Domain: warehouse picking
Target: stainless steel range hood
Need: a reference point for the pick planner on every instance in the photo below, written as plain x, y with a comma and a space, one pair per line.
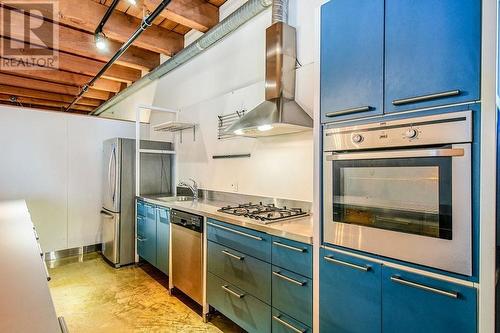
279, 113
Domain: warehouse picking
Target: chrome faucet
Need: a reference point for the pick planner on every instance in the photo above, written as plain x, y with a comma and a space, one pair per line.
193, 188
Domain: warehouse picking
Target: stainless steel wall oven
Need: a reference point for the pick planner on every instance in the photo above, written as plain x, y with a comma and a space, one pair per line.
402, 189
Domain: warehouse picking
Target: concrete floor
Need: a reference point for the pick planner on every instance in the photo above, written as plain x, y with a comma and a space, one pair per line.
93, 298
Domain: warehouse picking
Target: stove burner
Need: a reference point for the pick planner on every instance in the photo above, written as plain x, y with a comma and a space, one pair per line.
264, 213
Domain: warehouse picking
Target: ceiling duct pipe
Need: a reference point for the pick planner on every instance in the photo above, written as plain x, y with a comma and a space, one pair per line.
146, 23
242, 15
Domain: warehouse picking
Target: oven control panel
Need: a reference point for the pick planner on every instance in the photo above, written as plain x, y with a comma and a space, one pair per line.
418, 131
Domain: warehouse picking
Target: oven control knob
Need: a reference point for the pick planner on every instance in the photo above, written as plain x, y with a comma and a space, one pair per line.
411, 133
357, 138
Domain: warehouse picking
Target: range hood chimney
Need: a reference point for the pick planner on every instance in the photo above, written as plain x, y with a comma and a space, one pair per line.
279, 113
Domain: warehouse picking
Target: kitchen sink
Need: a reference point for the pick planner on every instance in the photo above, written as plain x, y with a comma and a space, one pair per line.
176, 198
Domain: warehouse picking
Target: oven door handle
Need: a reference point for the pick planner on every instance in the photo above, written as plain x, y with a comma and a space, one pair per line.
409, 153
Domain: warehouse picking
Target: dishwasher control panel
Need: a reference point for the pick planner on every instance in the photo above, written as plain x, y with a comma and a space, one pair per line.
187, 220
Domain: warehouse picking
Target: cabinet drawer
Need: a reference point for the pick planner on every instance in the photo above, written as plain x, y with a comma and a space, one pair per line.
150, 211
245, 272
291, 255
285, 324
416, 303
253, 315
141, 208
163, 215
245, 240
350, 294
292, 294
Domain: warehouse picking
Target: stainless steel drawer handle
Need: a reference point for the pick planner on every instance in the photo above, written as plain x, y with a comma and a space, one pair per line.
229, 254
234, 293
36, 234
289, 247
425, 98
347, 264
348, 111
40, 249
399, 280
141, 239
407, 153
289, 279
62, 324
287, 324
235, 231
46, 271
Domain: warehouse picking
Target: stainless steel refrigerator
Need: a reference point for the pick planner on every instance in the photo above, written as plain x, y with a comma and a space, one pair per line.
118, 200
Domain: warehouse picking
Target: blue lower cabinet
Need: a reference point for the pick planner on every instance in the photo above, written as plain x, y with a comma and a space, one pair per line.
141, 208
244, 271
245, 240
413, 303
285, 324
250, 313
292, 294
350, 294
146, 235
162, 239
291, 255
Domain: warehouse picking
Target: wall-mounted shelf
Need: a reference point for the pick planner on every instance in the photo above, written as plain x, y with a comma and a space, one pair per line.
157, 151
173, 126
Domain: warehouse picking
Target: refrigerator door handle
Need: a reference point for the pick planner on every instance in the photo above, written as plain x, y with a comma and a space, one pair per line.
113, 184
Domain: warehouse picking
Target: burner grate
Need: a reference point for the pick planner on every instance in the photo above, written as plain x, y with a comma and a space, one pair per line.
264, 213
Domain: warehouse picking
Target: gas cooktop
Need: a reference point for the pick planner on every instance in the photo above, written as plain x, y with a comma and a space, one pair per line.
264, 213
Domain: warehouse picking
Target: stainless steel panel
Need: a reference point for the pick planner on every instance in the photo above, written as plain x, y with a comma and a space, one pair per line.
430, 130
187, 261
111, 236
453, 255
111, 174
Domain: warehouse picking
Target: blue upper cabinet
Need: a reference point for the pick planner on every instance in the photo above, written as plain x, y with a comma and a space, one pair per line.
432, 53
413, 303
352, 59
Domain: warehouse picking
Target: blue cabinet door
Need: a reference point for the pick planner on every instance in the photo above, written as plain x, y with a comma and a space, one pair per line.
352, 59
146, 235
432, 53
350, 294
162, 239
414, 303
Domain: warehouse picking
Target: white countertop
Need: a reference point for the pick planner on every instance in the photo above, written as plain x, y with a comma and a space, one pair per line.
25, 301
299, 229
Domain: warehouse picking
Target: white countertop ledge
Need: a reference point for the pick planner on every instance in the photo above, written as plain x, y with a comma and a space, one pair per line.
298, 229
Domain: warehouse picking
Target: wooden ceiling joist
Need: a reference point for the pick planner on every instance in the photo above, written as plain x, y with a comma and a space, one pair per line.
120, 26
42, 102
62, 77
81, 43
18, 81
79, 65
26, 92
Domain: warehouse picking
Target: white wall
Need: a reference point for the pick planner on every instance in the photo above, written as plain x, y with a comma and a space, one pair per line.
230, 77
53, 160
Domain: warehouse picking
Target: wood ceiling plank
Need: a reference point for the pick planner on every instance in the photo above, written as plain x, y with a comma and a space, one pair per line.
23, 82
86, 15
27, 92
80, 43
43, 102
217, 3
80, 65
57, 76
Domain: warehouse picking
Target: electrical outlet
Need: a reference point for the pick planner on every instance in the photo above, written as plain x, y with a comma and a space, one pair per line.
234, 187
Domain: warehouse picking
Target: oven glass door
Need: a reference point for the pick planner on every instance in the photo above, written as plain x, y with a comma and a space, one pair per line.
409, 204
411, 195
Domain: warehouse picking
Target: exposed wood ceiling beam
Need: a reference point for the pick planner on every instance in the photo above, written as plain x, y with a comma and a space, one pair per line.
27, 92
63, 77
43, 102
195, 14
86, 15
81, 43
80, 65
23, 82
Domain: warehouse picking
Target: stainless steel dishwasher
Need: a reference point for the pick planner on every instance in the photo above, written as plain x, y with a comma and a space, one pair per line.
187, 253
